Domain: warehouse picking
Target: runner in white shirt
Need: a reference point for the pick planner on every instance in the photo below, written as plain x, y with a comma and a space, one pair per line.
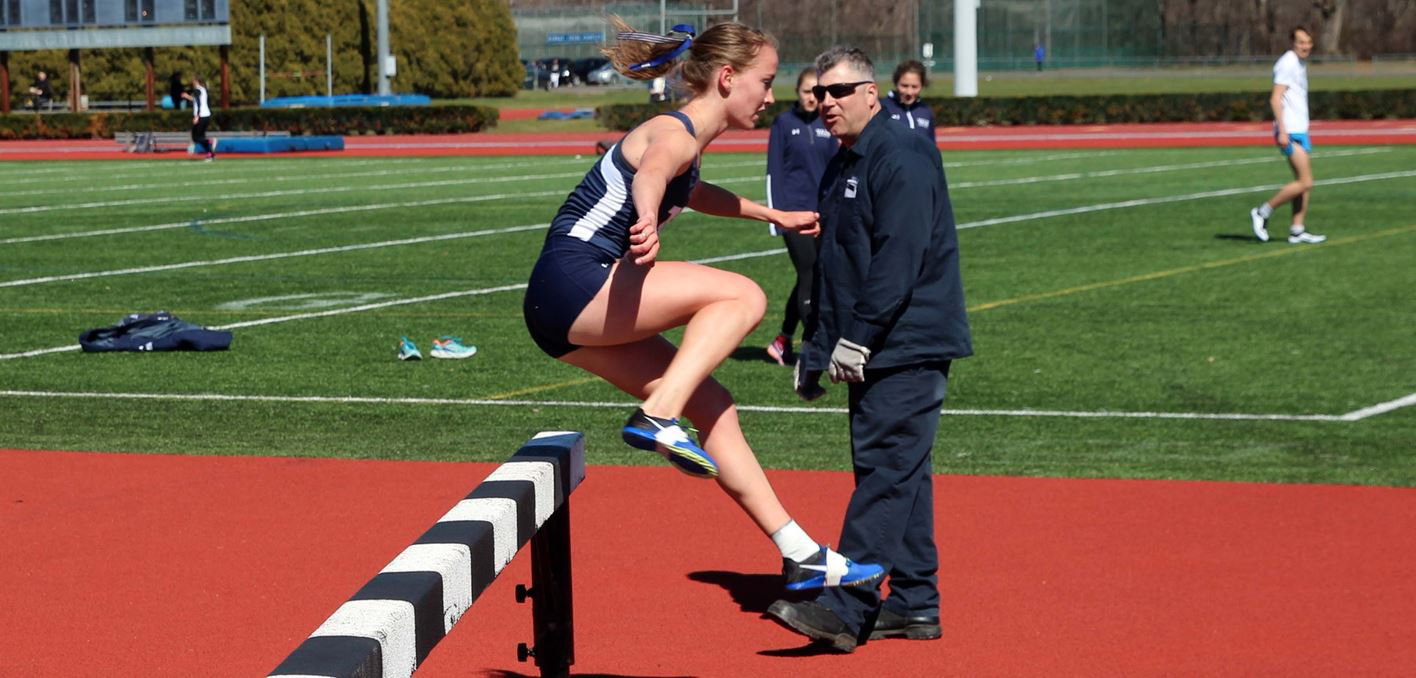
1290, 131
201, 117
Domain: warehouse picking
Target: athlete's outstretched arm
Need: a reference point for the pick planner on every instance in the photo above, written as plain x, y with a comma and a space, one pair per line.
720, 202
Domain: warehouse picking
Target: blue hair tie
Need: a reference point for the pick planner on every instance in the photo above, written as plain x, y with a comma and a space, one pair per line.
661, 39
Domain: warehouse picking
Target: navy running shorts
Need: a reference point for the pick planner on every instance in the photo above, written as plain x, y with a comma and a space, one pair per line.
568, 275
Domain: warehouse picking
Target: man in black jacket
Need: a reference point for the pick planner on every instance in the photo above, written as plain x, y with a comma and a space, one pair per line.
890, 319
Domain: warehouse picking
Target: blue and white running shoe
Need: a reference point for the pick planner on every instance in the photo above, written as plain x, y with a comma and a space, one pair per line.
452, 347
666, 437
828, 568
407, 351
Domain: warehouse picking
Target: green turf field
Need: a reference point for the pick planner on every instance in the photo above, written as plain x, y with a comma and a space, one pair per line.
1126, 325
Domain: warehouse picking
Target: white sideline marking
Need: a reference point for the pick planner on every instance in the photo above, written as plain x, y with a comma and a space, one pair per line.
284, 215
338, 175
268, 257
300, 191
347, 400
1152, 169
1380, 408
381, 304
272, 178
1139, 202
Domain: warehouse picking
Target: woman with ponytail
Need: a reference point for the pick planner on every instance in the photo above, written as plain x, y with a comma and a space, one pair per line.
599, 297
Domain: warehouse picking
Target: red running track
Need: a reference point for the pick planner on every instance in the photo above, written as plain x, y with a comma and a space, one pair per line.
1167, 135
148, 565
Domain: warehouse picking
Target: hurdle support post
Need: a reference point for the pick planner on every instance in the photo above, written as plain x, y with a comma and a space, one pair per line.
390, 625
552, 609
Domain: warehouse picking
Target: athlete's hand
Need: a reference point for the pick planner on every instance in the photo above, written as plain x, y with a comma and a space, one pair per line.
1282, 139
644, 239
805, 223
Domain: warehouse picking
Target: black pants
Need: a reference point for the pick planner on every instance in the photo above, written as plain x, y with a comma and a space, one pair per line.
199, 136
802, 249
890, 518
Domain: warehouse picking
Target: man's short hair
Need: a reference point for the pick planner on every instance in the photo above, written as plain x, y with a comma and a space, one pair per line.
838, 55
1293, 34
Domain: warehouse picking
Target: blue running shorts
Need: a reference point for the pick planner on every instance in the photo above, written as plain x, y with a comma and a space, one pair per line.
567, 276
1301, 138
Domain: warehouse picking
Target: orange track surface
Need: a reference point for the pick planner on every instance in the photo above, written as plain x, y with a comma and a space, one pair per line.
146, 565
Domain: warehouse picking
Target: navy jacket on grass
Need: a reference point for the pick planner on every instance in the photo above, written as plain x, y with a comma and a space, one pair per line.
159, 331
887, 277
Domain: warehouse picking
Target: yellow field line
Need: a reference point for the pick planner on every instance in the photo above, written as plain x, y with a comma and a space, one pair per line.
538, 389
1191, 269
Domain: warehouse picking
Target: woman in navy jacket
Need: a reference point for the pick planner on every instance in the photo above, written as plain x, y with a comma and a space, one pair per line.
797, 153
904, 104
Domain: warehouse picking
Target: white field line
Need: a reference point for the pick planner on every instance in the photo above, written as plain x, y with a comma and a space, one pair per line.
282, 215
156, 169
269, 257
1381, 408
410, 241
218, 397
1140, 202
298, 191
392, 302
464, 169
275, 177
1153, 169
331, 210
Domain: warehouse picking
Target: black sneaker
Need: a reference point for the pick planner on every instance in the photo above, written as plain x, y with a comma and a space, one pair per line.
828, 568
813, 620
666, 437
894, 625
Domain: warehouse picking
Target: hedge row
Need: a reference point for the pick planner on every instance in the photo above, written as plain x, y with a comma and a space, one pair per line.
1102, 109
297, 121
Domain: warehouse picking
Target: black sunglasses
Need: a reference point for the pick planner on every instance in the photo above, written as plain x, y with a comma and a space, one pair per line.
839, 90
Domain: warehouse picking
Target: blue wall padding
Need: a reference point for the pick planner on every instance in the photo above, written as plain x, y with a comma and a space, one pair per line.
348, 100
280, 144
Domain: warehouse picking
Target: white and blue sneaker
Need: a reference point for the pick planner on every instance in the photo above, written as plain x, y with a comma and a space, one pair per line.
452, 347
827, 569
668, 438
407, 351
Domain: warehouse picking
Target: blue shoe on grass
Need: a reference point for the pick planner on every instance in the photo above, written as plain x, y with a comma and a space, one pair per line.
453, 348
826, 569
407, 351
666, 437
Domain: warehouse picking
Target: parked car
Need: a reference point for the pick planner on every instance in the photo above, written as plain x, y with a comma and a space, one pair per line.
580, 69
604, 75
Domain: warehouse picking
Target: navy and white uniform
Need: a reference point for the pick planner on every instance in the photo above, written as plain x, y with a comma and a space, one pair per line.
917, 116
587, 236
797, 152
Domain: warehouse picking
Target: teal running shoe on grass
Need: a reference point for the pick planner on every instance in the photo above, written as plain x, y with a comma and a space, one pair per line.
407, 351
452, 347
666, 437
826, 569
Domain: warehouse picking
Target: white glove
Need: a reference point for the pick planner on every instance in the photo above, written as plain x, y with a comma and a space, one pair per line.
848, 362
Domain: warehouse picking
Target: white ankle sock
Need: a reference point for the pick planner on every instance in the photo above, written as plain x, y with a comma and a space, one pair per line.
1295, 229
793, 542
1265, 211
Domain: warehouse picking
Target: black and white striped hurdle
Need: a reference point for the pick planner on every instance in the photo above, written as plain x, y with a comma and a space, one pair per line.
390, 625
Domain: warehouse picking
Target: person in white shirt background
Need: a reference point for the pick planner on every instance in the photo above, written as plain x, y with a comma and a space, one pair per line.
1290, 131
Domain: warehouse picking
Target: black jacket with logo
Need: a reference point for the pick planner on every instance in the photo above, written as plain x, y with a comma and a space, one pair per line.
887, 277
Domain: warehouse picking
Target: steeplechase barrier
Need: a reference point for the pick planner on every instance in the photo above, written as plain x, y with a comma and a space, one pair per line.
389, 626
